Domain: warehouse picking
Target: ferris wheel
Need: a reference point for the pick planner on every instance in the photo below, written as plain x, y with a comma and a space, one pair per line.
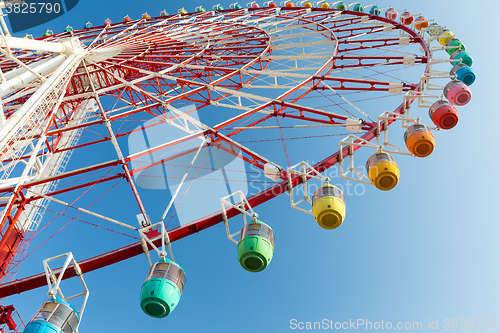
159, 127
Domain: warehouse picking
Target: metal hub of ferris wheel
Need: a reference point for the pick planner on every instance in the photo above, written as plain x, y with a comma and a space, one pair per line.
188, 91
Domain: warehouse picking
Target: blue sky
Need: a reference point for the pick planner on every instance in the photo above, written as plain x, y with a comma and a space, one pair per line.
427, 250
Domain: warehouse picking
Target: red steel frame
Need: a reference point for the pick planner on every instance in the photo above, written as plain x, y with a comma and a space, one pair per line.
145, 52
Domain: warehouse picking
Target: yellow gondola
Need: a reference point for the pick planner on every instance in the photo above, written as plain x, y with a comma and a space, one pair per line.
382, 171
445, 36
328, 206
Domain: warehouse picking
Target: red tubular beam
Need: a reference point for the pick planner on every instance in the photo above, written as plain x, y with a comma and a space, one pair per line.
9, 250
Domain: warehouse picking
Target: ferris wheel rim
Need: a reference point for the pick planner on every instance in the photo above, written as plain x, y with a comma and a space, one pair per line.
255, 200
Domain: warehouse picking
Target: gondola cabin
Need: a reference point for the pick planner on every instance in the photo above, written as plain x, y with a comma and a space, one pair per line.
383, 171
421, 22
462, 57
391, 14
406, 18
443, 115
375, 11
463, 73
454, 45
419, 140
358, 8
162, 290
54, 316
444, 36
328, 206
342, 6
457, 92
434, 29
256, 246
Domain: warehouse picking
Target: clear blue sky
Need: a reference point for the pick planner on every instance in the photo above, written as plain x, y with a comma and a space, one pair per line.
427, 250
